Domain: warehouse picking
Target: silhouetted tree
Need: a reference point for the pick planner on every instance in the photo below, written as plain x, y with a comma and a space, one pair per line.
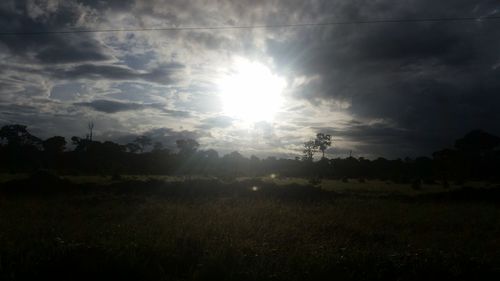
133, 147
234, 163
477, 141
18, 135
21, 152
255, 164
109, 147
322, 142
143, 141
309, 150
475, 156
157, 146
445, 161
211, 154
207, 161
53, 152
80, 144
54, 145
478, 155
187, 146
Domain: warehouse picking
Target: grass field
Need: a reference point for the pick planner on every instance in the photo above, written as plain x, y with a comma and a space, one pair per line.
354, 231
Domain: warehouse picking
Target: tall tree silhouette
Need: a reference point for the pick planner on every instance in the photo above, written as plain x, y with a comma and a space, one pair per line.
309, 150
143, 141
54, 145
477, 141
187, 146
133, 147
322, 142
158, 146
80, 144
18, 135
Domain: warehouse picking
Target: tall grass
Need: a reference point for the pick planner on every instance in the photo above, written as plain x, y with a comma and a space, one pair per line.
110, 235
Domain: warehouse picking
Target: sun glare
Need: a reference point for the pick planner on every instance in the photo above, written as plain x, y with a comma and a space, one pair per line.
251, 92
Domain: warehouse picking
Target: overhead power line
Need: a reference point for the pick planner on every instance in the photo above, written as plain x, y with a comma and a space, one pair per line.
270, 26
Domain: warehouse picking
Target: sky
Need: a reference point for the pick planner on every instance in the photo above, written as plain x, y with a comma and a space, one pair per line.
385, 89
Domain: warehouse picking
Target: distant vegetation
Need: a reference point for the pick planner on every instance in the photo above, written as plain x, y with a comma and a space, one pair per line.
476, 156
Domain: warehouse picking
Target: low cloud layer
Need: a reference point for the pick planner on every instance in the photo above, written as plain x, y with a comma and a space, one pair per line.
108, 106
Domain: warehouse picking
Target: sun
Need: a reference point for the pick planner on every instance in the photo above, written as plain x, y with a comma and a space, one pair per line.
251, 92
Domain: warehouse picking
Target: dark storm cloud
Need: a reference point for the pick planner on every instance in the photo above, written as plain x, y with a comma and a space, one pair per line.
77, 50
16, 109
109, 106
374, 139
28, 16
432, 80
163, 74
115, 5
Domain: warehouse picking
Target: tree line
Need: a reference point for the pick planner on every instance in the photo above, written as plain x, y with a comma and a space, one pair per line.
475, 156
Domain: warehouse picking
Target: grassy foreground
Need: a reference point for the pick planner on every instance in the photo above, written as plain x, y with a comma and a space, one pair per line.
107, 233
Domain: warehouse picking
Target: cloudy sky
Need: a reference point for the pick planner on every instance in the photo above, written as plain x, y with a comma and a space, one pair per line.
386, 89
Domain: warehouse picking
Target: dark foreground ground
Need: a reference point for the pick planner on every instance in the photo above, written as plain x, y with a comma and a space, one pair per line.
209, 230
